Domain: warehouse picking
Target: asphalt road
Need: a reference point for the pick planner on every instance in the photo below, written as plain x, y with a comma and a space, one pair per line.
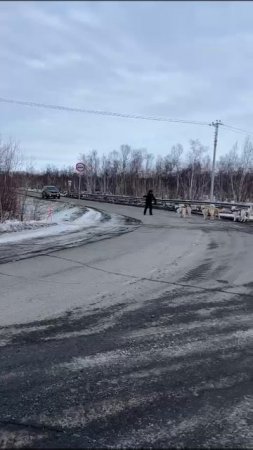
141, 340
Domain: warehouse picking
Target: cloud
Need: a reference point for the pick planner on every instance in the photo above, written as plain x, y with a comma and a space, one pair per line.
43, 18
52, 61
137, 57
36, 63
84, 17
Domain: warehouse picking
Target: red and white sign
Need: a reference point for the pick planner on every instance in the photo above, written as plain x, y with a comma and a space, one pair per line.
80, 167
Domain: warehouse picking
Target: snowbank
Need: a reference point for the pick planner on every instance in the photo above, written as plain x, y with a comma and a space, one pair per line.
10, 226
52, 219
57, 225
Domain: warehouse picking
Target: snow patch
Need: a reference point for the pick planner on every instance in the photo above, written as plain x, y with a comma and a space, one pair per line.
53, 220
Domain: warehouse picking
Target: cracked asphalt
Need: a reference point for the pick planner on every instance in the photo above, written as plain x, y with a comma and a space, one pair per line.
143, 340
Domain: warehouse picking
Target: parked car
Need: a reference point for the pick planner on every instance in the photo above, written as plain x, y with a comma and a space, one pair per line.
50, 192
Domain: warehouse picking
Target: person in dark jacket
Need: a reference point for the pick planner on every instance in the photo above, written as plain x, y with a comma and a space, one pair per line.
149, 199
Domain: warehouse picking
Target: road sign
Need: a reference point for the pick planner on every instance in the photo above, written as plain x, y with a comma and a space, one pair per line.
80, 167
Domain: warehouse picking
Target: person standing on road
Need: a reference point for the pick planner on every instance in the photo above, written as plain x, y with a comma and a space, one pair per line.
149, 199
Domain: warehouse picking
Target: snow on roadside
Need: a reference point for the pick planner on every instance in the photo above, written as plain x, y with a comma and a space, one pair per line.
38, 214
51, 219
10, 226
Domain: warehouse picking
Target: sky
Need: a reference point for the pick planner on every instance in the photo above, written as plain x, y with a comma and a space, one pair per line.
182, 60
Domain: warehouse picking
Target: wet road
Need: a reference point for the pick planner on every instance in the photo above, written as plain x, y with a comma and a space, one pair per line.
143, 340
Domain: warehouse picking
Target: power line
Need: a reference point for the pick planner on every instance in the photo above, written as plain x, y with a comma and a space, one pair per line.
100, 112
238, 130
117, 114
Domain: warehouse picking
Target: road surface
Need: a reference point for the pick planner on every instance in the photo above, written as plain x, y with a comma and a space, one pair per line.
141, 340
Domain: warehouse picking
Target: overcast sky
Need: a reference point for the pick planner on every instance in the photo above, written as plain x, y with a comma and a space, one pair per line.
183, 60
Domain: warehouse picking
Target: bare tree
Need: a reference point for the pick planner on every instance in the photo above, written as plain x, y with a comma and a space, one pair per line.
195, 159
125, 153
26, 185
114, 168
229, 163
136, 168
133, 171
173, 165
246, 163
105, 173
10, 159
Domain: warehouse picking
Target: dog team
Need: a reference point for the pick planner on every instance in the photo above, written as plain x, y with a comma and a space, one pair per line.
240, 215
184, 210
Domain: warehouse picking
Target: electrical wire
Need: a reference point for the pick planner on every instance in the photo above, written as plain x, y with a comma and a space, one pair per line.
101, 112
117, 114
238, 130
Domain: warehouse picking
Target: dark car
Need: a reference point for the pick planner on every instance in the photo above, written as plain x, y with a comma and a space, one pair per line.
50, 192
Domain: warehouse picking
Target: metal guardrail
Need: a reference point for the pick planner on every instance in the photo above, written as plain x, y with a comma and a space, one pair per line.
162, 203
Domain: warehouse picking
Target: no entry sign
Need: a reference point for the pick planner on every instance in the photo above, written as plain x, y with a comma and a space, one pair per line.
80, 167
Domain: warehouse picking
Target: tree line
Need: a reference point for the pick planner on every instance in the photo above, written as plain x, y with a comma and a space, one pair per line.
181, 174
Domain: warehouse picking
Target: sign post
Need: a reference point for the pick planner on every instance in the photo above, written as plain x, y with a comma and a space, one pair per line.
79, 186
69, 184
80, 168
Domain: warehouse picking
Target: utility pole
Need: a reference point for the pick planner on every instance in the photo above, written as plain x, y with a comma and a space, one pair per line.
216, 126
